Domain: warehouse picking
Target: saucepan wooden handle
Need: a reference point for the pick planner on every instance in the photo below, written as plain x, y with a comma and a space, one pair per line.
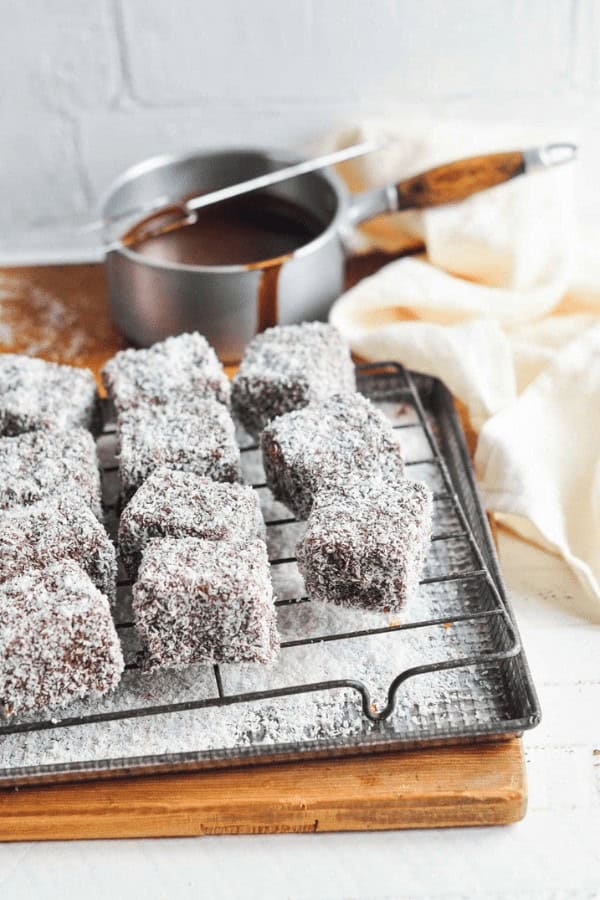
459, 179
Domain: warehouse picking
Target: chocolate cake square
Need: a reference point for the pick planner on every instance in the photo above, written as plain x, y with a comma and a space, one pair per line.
365, 543
324, 444
178, 369
205, 601
33, 537
40, 464
57, 640
180, 504
38, 394
196, 436
288, 367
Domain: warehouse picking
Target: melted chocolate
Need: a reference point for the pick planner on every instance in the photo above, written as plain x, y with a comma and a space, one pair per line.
256, 230
246, 230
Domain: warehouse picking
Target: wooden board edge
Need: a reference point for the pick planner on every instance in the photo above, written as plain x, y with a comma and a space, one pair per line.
460, 786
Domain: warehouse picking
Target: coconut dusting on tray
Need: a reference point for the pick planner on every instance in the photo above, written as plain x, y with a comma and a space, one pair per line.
440, 700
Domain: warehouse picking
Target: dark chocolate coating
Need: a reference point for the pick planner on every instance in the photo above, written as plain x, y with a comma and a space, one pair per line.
179, 369
46, 463
288, 367
324, 444
181, 504
365, 543
57, 639
205, 601
38, 394
196, 436
33, 537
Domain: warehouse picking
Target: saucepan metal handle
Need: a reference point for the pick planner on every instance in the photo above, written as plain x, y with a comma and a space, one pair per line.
456, 180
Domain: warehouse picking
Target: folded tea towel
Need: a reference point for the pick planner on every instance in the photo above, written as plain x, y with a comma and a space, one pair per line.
497, 309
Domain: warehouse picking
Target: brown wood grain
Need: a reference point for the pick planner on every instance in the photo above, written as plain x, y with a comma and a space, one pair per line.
476, 785
458, 180
61, 313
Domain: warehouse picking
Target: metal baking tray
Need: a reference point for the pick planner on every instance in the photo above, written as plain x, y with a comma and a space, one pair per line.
449, 669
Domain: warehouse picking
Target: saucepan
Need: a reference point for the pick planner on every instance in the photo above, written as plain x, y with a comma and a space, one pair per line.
152, 299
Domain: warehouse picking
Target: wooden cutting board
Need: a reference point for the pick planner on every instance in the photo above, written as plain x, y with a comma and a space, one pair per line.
60, 313
471, 785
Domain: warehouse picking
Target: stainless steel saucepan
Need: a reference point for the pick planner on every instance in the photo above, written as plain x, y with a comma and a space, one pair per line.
151, 299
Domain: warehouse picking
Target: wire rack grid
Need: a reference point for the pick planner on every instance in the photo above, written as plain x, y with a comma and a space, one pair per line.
381, 382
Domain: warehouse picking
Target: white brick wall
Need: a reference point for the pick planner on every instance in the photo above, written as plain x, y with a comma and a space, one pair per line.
89, 86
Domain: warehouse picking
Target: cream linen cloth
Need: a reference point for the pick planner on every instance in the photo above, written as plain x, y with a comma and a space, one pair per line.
496, 308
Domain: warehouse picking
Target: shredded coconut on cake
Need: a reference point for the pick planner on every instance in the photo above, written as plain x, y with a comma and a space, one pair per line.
324, 444
38, 394
57, 639
194, 436
287, 367
205, 601
178, 369
41, 464
365, 543
32, 537
180, 504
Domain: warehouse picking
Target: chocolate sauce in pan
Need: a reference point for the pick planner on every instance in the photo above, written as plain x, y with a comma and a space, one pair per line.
247, 229
268, 291
256, 230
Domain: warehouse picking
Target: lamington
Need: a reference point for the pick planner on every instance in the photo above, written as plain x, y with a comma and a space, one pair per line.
40, 464
288, 367
193, 436
38, 394
178, 369
33, 537
365, 544
198, 601
324, 444
58, 642
178, 504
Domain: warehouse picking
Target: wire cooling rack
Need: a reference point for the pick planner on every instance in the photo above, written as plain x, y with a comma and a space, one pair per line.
472, 677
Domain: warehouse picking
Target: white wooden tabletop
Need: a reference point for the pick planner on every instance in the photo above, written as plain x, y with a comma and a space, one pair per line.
554, 853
